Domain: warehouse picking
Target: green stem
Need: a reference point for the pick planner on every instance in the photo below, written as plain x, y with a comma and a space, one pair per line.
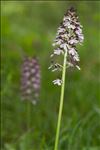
28, 123
28, 115
61, 102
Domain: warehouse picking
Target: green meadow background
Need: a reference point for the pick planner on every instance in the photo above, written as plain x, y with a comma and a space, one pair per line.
30, 27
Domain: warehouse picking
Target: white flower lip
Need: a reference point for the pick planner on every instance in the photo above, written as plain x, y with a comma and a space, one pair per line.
57, 81
58, 51
73, 41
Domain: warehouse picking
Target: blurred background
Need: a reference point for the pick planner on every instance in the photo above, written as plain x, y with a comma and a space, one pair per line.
31, 27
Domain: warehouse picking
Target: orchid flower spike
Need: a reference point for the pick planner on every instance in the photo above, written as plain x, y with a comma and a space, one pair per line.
30, 79
69, 34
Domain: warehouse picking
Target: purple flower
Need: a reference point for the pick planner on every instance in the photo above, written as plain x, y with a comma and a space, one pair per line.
30, 79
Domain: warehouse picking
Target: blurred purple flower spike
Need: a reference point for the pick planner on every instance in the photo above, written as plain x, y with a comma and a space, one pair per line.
30, 79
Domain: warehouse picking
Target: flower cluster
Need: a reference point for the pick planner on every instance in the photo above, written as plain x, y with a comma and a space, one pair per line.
69, 34
30, 79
